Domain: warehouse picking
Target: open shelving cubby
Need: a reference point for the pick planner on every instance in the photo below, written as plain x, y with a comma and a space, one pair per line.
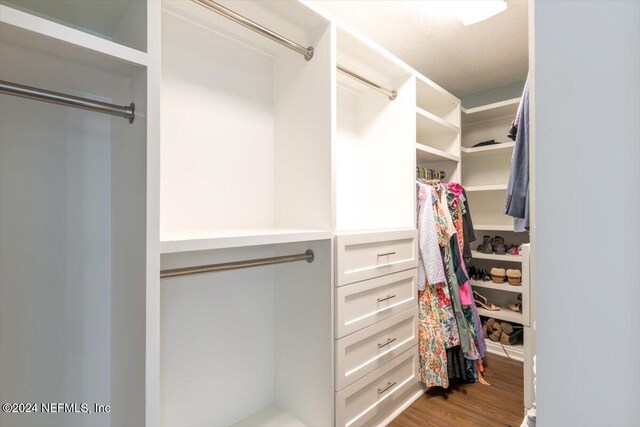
264, 166
374, 140
245, 174
73, 187
437, 129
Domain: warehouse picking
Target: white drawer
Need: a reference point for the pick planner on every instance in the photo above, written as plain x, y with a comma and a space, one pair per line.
365, 256
364, 303
373, 394
366, 350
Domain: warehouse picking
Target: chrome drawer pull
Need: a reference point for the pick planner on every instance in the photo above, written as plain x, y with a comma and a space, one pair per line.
386, 298
389, 341
389, 385
387, 253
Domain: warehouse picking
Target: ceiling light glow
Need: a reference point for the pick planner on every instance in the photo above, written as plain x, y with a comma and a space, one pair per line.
468, 11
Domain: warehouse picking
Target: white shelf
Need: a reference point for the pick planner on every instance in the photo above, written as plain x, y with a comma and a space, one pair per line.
70, 36
488, 150
496, 257
493, 227
506, 287
498, 187
515, 352
271, 416
186, 241
503, 314
489, 112
430, 124
424, 153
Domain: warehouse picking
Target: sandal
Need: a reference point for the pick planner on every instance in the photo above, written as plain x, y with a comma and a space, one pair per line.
516, 306
484, 303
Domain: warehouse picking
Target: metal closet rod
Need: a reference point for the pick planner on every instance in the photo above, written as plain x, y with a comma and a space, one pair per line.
212, 268
392, 94
128, 112
307, 52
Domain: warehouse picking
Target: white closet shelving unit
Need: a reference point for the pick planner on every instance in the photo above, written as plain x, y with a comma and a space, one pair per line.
264, 154
437, 129
74, 217
485, 175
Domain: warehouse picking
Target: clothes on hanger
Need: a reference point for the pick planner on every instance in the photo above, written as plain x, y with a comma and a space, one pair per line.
451, 342
517, 199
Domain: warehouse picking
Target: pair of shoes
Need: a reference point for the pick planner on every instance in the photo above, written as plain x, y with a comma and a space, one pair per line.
482, 301
513, 250
498, 331
490, 246
478, 274
516, 306
514, 276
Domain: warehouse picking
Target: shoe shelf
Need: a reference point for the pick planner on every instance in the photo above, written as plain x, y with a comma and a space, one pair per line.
496, 257
494, 227
487, 150
503, 314
515, 352
496, 187
499, 287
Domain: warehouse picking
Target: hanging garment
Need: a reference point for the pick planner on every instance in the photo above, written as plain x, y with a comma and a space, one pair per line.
432, 352
430, 268
517, 199
468, 232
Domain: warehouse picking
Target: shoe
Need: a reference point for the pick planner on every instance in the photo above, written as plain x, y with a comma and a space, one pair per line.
505, 338
517, 337
516, 306
486, 246
486, 277
498, 246
507, 328
498, 275
513, 250
484, 303
514, 276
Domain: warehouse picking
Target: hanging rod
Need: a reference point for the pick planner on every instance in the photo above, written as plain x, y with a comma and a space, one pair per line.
307, 52
128, 112
211, 268
392, 94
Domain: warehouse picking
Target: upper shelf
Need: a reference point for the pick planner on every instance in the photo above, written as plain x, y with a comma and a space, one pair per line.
433, 98
41, 53
121, 21
488, 150
497, 187
186, 241
430, 124
424, 153
489, 112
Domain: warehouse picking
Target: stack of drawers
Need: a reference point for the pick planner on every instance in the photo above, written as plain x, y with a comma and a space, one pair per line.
376, 323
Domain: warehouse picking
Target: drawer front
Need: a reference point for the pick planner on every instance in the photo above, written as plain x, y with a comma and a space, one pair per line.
365, 256
373, 394
366, 350
364, 303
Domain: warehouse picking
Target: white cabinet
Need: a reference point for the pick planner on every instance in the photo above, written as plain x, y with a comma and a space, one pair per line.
363, 256
376, 393
365, 303
364, 351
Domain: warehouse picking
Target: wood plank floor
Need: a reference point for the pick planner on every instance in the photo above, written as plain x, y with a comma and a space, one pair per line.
472, 405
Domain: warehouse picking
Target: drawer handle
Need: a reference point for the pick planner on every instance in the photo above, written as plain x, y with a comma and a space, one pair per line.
389, 341
387, 254
389, 385
388, 297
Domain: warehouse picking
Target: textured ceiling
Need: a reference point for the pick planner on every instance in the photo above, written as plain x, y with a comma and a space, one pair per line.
463, 60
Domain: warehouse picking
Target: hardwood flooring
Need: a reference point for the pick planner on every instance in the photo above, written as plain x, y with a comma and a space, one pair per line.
472, 405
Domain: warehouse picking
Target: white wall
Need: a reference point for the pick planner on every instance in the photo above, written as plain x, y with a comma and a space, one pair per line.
587, 150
